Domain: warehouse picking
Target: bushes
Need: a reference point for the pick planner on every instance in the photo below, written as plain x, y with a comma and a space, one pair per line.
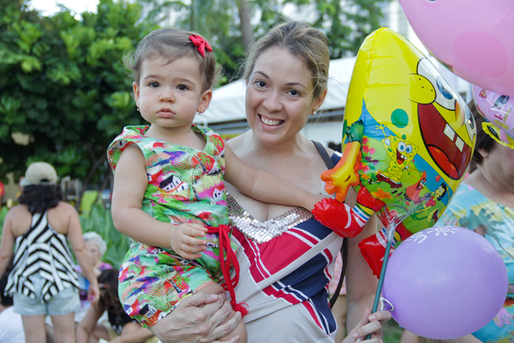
100, 221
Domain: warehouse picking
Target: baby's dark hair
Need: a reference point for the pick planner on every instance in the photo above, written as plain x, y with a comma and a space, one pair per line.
172, 44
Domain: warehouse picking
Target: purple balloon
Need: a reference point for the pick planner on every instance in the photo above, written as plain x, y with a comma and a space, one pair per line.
445, 282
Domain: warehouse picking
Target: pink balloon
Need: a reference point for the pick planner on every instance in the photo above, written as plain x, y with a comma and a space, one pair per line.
474, 38
445, 282
497, 110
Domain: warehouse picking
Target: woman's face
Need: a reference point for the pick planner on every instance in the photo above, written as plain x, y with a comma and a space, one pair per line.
278, 96
94, 252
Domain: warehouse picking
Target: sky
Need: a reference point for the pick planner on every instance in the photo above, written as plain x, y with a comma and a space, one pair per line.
49, 7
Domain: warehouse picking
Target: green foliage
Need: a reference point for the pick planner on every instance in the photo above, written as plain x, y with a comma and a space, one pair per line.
64, 85
100, 221
345, 22
392, 332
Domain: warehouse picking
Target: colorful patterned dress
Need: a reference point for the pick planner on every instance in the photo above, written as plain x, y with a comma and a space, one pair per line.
470, 209
184, 185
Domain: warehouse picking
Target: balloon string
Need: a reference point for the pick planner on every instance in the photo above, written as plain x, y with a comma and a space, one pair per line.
390, 235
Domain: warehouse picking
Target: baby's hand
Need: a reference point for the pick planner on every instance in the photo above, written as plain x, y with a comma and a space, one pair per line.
184, 242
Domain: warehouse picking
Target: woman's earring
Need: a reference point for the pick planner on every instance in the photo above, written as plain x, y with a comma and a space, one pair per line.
138, 109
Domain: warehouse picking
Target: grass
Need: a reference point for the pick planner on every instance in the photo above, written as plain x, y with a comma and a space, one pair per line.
392, 332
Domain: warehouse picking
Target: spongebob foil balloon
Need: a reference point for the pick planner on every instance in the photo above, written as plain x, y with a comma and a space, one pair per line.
408, 138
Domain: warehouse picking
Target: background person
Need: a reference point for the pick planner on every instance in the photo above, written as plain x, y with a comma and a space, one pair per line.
484, 203
122, 327
286, 257
96, 248
38, 228
11, 326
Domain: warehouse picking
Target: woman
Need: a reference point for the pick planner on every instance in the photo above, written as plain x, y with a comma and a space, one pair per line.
96, 248
127, 330
286, 257
43, 281
484, 203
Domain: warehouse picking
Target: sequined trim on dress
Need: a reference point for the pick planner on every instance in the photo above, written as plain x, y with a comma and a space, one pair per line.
262, 232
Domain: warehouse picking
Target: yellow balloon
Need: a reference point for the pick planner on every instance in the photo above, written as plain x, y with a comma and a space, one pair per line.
414, 132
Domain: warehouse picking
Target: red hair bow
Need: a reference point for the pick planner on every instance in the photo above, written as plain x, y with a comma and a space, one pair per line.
201, 44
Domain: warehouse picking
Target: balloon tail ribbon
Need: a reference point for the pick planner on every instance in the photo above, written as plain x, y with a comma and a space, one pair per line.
390, 235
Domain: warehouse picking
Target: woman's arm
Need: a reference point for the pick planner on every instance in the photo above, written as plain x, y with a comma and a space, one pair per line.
88, 323
7, 244
465, 339
79, 248
361, 284
264, 186
133, 333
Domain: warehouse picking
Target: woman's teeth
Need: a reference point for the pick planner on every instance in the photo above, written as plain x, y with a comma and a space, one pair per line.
271, 122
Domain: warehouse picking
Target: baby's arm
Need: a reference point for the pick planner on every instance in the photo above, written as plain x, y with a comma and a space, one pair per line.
130, 183
264, 186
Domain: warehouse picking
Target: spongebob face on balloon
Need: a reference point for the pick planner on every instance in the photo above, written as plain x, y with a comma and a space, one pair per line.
417, 132
452, 150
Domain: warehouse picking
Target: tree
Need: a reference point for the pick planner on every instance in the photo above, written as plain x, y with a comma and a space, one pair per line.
64, 86
226, 23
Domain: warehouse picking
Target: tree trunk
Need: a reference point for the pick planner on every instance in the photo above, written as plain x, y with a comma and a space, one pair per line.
245, 25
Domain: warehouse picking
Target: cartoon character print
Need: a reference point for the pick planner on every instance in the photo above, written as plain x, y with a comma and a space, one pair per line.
412, 193
173, 183
401, 153
451, 151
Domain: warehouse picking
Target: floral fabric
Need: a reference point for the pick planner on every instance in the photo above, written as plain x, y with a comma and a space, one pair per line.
184, 185
470, 209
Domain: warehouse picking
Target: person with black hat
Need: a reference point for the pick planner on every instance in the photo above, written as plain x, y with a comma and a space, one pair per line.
43, 281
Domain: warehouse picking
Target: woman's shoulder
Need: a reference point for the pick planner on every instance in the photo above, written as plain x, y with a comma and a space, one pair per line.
17, 211
65, 208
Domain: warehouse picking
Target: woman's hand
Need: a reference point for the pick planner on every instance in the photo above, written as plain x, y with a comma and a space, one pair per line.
369, 324
93, 293
184, 242
201, 317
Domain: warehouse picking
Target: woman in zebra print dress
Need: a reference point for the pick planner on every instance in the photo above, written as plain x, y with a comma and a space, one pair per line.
43, 281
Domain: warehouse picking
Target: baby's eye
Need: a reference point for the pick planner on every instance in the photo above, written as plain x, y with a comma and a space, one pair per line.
154, 84
182, 87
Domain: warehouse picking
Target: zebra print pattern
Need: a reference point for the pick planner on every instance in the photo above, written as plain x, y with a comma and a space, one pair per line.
41, 250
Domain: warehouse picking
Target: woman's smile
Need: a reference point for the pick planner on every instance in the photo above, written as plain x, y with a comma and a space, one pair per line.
270, 122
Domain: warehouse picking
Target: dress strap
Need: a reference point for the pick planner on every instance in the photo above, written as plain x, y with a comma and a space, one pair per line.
323, 152
344, 248
34, 226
